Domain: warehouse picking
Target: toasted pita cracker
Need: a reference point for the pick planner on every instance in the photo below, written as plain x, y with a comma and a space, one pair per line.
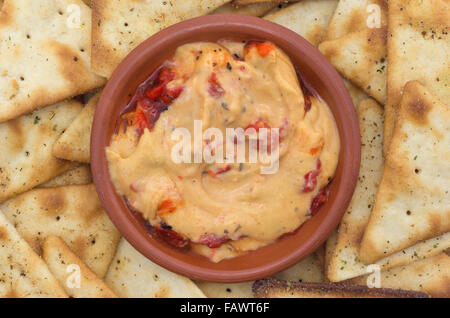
119, 26
309, 18
63, 264
26, 142
132, 275
356, 93
361, 57
256, 9
413, 201
218, 290
75, 142
79, 175
330, 247
43, 59
430, 275
309, 270
271, 288
73, 213
418, 46
354, 15
22, 272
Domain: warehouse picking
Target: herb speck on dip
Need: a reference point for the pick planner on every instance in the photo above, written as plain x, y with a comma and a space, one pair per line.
222, 209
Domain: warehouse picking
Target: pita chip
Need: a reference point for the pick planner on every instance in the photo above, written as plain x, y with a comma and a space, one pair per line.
73, 213
309, 270
132, 275
356, 93
248, 2
357, 15
63, 263
361, 57
119, 26
413, 201
22, 272
272, 288
79, 175
218, 290
309, 18
430, 275
75, 142
418, 49
26, 143
256, 9
43, 58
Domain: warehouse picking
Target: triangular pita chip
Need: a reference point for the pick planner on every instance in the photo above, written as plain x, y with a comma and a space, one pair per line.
430, 275
256, 9
418, 49
26, 143
119, 26
413, 201
309, 18
132, 275
353, 15
73, 213
273, 288
65, 265
75, 142
44, 57
361, 57
79, 175
22, 272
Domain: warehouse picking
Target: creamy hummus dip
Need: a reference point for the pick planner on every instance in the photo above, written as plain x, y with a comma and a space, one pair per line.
222, 210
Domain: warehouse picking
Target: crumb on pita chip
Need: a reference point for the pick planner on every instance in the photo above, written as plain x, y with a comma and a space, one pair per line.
272, 288
132, 275
119, 26
308, 18
73, 213
23, 273
61, 260
413, 202
75, 142
43, 60
256, 9
354, 15
361, 57
26, 142
218, 290
430, 275
418, 46
78, 175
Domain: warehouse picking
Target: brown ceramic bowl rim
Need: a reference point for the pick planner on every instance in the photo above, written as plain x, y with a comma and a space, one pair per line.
256, 264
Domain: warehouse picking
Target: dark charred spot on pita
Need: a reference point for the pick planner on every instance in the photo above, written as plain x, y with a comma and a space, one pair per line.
417, 109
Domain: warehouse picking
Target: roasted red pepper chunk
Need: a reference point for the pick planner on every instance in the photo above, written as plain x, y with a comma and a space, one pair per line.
166, 207
257, 125
319, 200
215, 89
263, 48
170, 236
214, 173
212, 240
311, 178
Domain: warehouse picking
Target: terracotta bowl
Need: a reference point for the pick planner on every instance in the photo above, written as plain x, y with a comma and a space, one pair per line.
315, 69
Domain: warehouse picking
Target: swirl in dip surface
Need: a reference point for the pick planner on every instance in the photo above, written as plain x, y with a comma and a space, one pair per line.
222, 209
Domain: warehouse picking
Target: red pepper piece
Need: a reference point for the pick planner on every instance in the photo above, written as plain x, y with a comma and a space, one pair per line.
166, 207
170, 236
215, 90
264, 48
319, 200
212, 240
214, 174
311, 178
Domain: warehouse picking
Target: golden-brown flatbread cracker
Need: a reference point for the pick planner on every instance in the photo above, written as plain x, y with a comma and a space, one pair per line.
132, 275
309, 18
73, 213
272, 288
45, 54
418, 46
353, 15
75, 142
361, 57
119, 26
413, 201
430, 275
65, 265
26, 143
256, 9
78, 175
22, 272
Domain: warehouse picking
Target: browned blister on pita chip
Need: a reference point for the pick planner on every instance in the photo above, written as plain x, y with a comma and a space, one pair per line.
309, 18
26, 143
272, 288
75, 142
45, 54
413, 201
74, 276
418, 46
255, 9
357, 15
361, 58
78, 175
119, 26
73, 213
22, 272
248, 2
